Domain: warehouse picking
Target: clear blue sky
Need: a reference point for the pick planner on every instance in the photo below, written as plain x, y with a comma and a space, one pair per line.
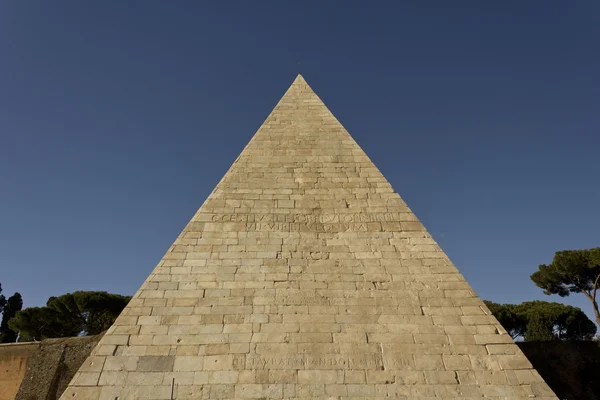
117, 119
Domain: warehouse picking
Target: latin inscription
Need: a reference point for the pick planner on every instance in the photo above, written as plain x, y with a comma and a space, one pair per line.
314, 362
312, 223
299, 300
306, 227
310, 218
291, 301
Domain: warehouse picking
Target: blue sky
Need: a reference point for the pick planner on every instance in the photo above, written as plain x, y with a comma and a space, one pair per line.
117, 119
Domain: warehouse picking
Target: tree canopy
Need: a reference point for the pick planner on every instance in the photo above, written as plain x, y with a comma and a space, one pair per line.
542, 321
71, 314
2, 299
13, 305
8, 309
572, 271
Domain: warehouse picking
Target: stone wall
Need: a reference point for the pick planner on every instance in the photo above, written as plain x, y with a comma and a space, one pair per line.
41, 370
13, 364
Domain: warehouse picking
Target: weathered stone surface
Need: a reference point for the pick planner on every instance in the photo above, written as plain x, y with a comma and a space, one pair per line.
305, 275
13, 365
50, 366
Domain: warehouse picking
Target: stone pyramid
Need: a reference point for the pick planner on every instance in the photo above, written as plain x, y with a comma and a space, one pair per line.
305, 275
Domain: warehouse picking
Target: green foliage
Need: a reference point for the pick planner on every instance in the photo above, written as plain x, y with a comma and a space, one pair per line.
546, 319
71, 314
11, 307
542, 320
37, 323
539, 329
8, 309
572, 271
2, 299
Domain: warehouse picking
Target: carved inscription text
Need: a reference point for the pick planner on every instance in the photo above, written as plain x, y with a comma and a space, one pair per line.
313, 223
311, 218
326, 361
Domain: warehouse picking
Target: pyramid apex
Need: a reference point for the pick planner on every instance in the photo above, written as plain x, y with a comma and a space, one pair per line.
299, 79
300, 84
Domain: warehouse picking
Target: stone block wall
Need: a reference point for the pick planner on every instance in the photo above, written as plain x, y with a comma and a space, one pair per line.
570, 369
13, 364
41, 370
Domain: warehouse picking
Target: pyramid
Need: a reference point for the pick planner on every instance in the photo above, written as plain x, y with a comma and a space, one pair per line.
305, 275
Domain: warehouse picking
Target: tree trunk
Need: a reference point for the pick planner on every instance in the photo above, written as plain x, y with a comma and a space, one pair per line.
592, 299
596, 312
